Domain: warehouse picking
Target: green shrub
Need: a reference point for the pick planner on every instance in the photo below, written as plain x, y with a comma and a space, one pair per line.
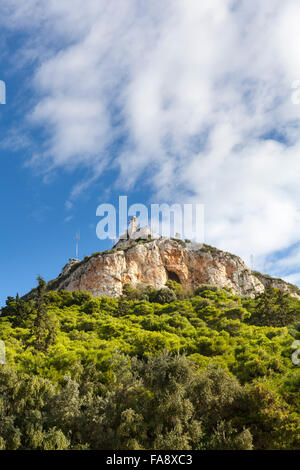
165, 296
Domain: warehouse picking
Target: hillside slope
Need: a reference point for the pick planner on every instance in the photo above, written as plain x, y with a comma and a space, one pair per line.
209, 371
156, 261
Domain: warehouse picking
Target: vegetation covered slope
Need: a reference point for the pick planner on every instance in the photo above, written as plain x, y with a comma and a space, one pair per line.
152, 370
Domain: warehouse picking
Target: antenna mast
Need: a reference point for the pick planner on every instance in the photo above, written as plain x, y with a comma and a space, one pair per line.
77, 238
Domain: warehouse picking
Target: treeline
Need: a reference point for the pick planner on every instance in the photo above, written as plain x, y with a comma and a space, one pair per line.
155, 369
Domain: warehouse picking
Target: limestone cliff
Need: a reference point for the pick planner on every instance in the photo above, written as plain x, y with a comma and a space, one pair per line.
154, 262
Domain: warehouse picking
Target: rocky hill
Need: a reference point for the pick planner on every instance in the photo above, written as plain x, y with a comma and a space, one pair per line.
155, 261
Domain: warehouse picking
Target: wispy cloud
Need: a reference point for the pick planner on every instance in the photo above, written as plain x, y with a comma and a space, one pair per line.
197, 93
68, 218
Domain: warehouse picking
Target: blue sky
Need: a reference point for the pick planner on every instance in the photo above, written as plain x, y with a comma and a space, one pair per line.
184, 101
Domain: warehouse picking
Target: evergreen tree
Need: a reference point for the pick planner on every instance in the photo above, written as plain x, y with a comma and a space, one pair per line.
286, 313
263, 314
274, 308
45, 324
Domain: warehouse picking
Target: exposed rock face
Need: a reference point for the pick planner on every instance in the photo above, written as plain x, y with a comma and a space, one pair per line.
277, 283
154, 262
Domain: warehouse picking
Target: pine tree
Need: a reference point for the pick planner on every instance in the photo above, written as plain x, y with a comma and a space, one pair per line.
285, 313
45, 324
274, 308
264, 308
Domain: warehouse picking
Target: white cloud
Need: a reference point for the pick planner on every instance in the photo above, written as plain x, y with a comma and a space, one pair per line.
292, 278
191, 87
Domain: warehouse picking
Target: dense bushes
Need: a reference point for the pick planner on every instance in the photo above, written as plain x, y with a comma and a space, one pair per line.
164, 402
151, 370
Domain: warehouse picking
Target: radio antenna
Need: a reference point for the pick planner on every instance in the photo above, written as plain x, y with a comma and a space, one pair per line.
252, 262
77, 238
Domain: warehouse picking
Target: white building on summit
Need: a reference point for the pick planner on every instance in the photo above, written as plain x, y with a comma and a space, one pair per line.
133, 227
134, 233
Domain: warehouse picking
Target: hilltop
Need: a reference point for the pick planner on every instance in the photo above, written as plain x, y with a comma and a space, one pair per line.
154, 262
